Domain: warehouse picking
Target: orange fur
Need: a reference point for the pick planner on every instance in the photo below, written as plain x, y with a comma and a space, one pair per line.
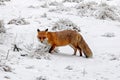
66, 37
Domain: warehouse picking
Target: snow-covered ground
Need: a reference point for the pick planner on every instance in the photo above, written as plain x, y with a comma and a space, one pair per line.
103, 37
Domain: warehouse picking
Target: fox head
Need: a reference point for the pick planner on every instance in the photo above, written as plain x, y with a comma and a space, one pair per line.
42, 35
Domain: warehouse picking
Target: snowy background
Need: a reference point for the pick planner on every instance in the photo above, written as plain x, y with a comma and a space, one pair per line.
97, 20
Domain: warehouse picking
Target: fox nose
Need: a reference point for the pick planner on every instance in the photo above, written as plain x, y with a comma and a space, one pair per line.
41, 41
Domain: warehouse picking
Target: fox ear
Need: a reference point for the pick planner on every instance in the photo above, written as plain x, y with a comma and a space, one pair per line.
46, 30
38, 30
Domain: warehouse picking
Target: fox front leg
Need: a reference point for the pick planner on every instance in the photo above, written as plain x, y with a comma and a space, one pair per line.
52, 48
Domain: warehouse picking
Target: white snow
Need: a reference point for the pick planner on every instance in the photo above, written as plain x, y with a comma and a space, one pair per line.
105, 64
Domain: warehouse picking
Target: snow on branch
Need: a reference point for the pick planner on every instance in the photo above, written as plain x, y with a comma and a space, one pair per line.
2, 2
72, 1
109, 34
3, 58
2, 31
18, 21
2, 28
64, 24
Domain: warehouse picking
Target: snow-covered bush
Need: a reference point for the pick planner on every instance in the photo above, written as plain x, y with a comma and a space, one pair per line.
2, 32
55, 3
6, 38
59, 9
40, 51
69, 67
45, 5
18, 21
62, 8
114, 57
86, 5
99, 11
5, 68
2, 2
64, 24
72, 1
108, 34
86, 8
3, 59
44, 15
41, 78
33, 6
105, 11
2, 28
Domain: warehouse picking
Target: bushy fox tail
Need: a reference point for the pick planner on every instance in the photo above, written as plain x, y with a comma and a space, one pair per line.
85, 48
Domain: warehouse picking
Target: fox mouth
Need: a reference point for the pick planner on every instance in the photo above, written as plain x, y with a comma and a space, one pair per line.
45, 41
41, 41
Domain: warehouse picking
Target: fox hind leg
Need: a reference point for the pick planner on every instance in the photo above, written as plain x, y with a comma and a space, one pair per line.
75, 49
80, 50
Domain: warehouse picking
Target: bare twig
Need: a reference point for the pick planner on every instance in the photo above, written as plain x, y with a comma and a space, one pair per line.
7, 54
84, 72
16, 48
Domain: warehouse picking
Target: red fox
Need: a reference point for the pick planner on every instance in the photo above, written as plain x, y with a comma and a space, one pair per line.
65, 37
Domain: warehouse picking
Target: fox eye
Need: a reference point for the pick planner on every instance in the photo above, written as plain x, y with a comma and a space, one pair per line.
44, 37
39, 37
